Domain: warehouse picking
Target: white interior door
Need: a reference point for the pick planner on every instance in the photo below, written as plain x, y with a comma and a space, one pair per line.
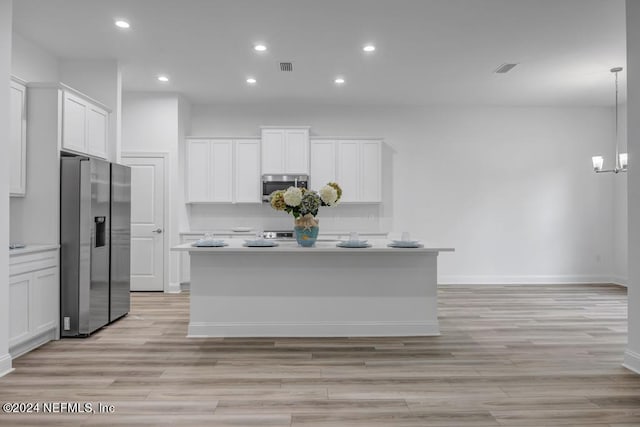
147, 222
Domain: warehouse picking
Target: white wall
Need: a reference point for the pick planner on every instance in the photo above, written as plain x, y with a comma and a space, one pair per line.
153, 123
512, 189
5, 72
32, 63
632, 354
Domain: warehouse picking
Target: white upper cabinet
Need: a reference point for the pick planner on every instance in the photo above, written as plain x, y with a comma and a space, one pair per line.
197, 168
97, 138
273, 146
354, 164
18, 140
223, 171
370, 171
296, 151
348, 171
285, 150
209, 171
74, 123
247, 171
84, 126
322, 159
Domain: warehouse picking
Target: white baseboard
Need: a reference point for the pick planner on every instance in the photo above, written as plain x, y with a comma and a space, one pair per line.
5, 364
34, 342
632, 361
528, 280
619, 280
312, 329
174, 288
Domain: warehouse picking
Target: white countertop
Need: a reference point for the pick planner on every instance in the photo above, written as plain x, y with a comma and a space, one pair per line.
378, 246
28, 249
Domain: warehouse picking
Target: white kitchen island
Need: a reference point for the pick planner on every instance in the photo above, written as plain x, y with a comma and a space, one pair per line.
323, 291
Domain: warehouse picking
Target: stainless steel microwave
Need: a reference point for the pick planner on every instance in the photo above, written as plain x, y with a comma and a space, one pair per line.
271, 183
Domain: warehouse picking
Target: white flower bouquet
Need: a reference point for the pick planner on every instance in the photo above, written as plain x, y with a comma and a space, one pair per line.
303, 204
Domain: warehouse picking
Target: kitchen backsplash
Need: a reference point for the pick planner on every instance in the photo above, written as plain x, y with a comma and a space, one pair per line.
202, 217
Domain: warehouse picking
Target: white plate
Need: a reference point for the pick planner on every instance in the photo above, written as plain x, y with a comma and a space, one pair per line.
209, 244
259, 243
405, 242
353, 244
405, 245
241, 229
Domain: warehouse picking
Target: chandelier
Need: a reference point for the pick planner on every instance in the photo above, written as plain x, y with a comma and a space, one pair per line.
621, 159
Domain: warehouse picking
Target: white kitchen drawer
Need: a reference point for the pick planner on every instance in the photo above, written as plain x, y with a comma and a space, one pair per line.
30, 262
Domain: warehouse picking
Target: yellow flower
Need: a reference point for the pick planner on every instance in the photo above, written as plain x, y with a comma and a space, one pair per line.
277, 200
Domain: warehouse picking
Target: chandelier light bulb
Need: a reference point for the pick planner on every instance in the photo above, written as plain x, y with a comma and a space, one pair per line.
624, 160
598, 162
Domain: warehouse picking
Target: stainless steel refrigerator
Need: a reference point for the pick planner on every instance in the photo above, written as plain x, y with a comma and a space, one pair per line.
94, 244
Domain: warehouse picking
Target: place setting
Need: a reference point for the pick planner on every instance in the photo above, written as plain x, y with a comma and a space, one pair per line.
209, 241
353, 242
405, 242
260, 242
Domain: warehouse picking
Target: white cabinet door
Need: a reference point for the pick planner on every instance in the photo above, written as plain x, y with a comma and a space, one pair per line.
359, 170
18, 140
198, 175
19, 308
44, 295
74, 120
247, 171
209, 170
97, 128
322, 161
85, 126
296, 151
273, 146
34, 300
221, 171
348, 173
370, 173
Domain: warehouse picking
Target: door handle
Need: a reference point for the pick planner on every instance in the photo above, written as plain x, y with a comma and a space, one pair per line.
157, 230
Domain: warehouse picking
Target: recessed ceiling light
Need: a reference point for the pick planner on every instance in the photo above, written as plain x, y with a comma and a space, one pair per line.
251, 81
339, 81
369, 48
163, 79
260, 47
122, 24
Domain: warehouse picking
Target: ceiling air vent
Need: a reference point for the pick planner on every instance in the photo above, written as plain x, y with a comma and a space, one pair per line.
504, 68
286, 66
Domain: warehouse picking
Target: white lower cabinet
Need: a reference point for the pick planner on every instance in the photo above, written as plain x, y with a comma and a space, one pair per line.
33, 300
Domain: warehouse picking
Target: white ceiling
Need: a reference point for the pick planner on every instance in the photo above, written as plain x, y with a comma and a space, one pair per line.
428, 51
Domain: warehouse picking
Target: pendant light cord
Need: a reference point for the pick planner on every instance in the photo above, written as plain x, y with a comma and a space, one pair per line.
617, 148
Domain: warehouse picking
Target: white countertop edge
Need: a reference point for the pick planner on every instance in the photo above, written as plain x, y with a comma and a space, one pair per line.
29, 249
379, 246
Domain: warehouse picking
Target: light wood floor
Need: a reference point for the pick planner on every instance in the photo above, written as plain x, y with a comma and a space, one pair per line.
508, 356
